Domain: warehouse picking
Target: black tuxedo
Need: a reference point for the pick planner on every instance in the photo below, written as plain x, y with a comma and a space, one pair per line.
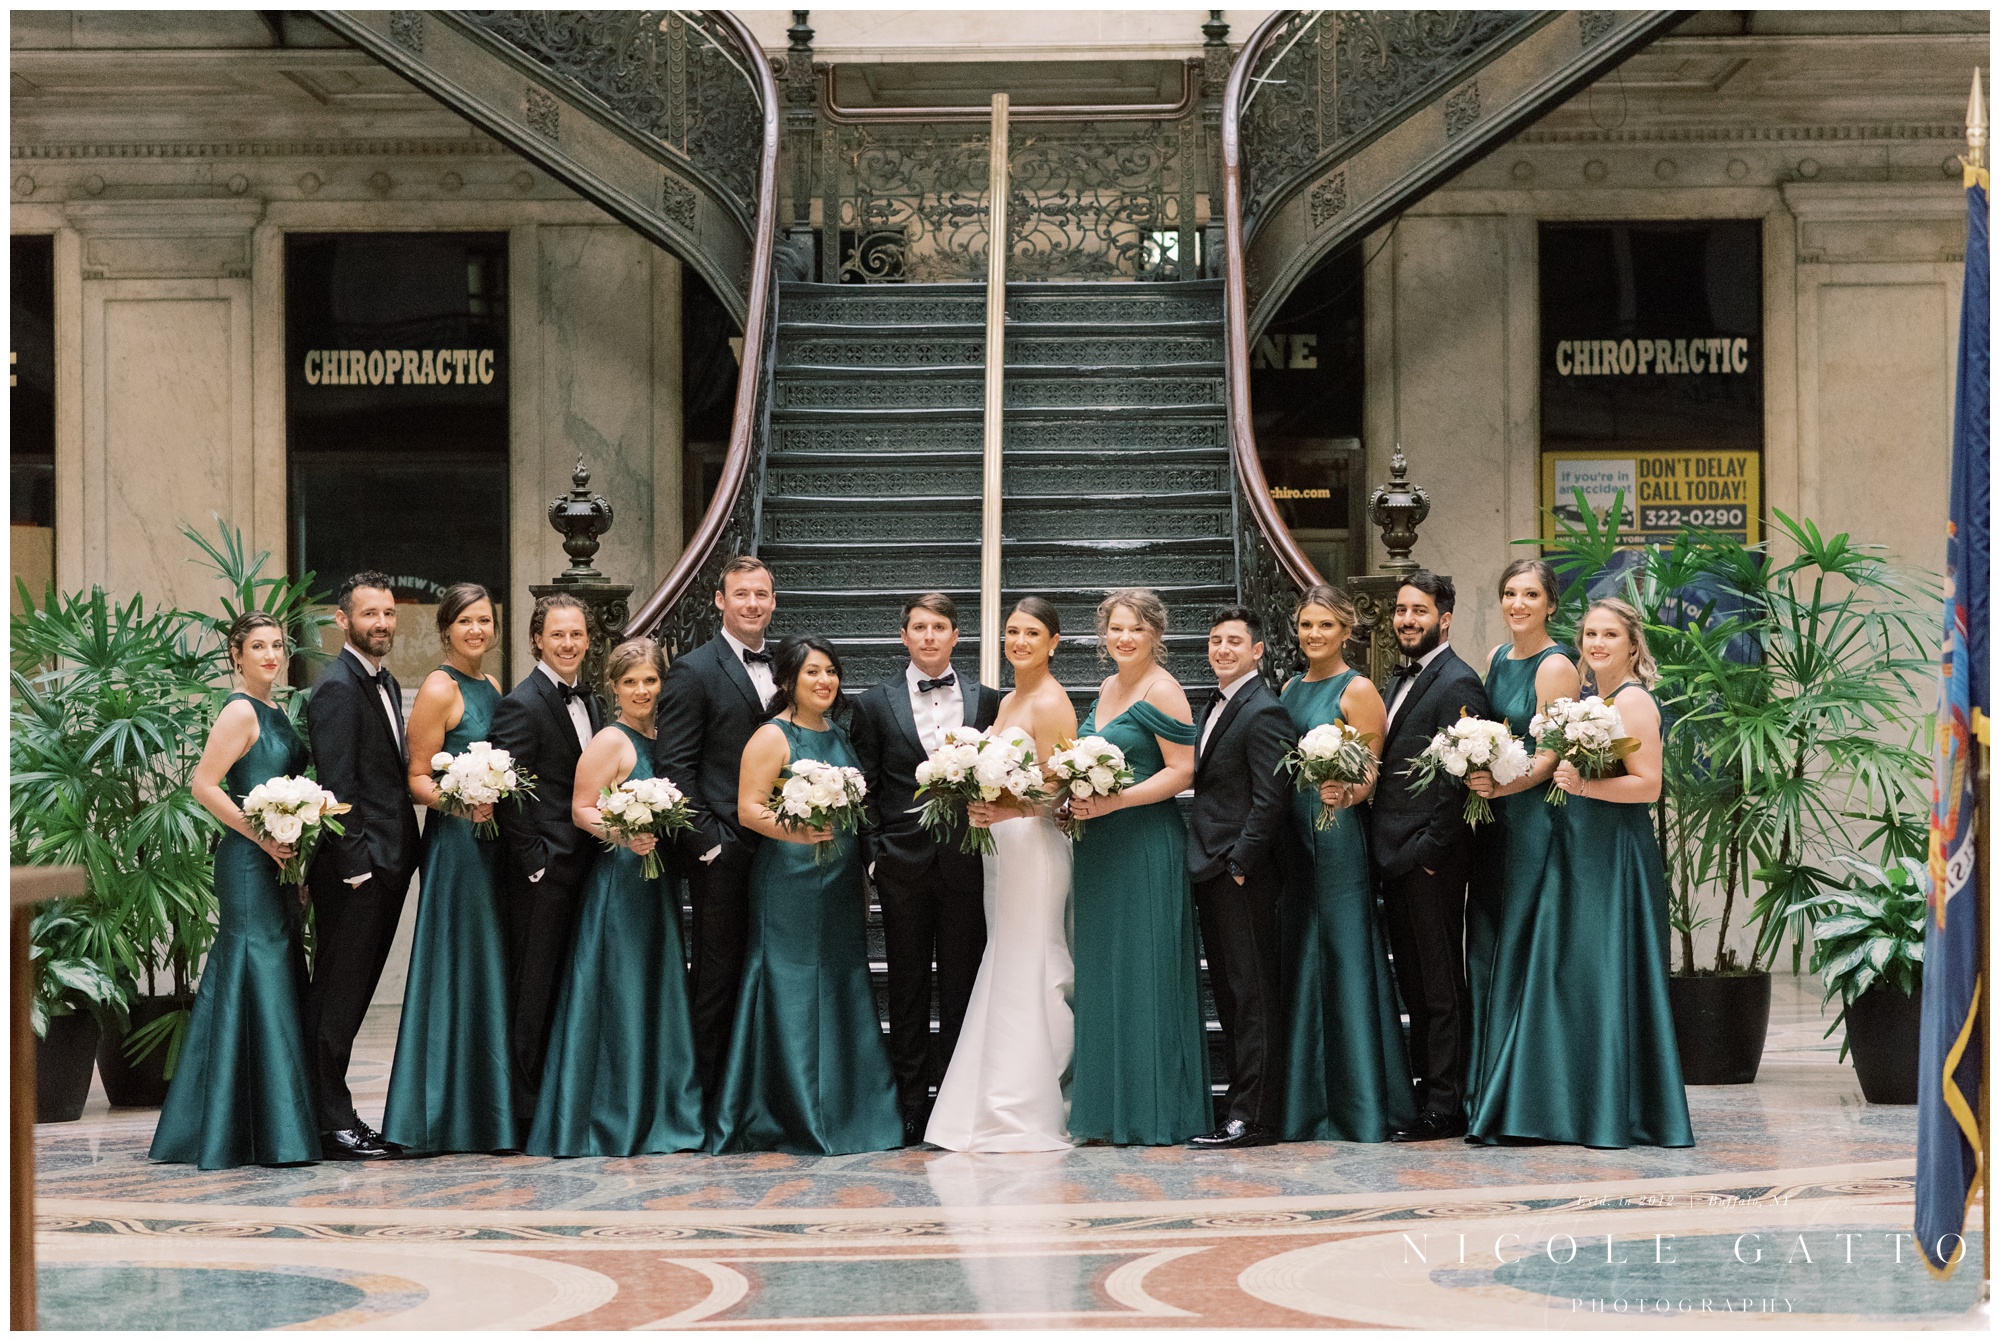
932, 894
708, 711
1422, 850
1240, 825
534, 725
361, 760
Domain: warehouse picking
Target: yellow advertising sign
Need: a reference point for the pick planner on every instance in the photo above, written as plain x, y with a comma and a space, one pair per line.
1663, 492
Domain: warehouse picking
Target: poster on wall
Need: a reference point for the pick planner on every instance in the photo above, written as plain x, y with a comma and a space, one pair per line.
1660, 493
1652, 376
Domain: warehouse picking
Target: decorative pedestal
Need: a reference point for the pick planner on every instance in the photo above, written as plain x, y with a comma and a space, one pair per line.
1398, 507
581, 517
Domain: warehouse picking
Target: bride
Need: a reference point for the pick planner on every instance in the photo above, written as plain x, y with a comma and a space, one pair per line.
1007, 1088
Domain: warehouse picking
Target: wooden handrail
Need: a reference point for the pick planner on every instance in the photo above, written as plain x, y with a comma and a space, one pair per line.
1236, 324
756, 312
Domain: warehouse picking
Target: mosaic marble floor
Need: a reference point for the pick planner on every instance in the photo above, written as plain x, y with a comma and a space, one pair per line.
1791, 1212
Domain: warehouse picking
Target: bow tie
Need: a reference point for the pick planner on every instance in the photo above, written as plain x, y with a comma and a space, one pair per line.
571, 692
945, 681
751, 658
1407, 672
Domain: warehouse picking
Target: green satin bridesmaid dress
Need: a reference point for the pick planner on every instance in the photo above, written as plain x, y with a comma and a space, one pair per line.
620, 1076
1346, 1075
449, 1087
808, 1071
1513, 856
243, 1093
1588, 1055
1141, 1068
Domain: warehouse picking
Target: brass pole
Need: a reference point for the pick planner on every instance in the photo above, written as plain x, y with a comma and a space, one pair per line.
996, 367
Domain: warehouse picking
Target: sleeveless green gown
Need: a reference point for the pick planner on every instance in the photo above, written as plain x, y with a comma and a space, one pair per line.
808, 1070
1141, 1068
1513, 857
243, 1093
1588, 1056
1346, 1074
449, 1087
620, 1076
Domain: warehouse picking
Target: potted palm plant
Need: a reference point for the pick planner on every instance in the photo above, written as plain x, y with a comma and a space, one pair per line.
69, 944
1868, 948
1790, 692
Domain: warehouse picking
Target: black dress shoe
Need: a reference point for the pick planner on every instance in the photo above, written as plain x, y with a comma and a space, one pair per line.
914, 1125
1430, 1127
356, 1142
1235, 1134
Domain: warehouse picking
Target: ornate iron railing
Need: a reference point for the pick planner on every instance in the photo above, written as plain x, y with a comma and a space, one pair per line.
1097, 193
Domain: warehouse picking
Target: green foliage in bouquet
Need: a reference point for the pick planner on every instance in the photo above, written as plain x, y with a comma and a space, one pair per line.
112, 702
1792, 692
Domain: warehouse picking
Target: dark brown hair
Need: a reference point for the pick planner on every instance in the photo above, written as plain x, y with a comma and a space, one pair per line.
1544, 574
789, 661
343, 595
936, 602
560, 600
1034, 607
246, 624
458, 598
743, 563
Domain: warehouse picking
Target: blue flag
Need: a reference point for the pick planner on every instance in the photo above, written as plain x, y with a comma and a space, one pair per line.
1952, 1055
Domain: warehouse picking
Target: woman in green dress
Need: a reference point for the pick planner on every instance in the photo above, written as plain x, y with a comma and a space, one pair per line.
1590, 1057
1141, 1062
448, 1089
1346, 1074
1514, 851
620, 1075
243, 1093
808, 1070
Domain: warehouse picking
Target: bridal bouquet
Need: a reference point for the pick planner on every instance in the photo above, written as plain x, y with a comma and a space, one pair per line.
971, 766
1090, 767
481, 776
1588, 734
817, 795
644, 806
295, 811
1335, 752
1472, 745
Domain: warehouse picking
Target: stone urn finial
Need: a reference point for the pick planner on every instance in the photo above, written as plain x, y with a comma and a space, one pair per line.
1399, 507
580, 517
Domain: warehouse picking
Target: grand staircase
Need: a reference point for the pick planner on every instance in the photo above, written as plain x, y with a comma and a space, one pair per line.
1117, 461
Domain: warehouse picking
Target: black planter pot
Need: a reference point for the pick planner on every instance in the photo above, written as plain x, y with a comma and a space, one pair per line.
1719, 1025
1882, 1027
142, 1084
63, 1062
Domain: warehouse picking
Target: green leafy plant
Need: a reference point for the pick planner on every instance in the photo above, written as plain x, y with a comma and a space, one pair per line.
111, 707
1868, 932
68, 948
1790, 693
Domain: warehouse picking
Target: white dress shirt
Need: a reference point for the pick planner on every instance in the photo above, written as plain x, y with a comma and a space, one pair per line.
1215, 713
936, 710
372, 668
761, 678
579, 715
1403, 688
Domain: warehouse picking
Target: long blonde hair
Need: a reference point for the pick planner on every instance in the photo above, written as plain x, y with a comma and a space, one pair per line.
1643, 666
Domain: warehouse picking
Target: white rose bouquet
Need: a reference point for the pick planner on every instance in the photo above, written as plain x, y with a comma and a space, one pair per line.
818, 795
1472, 745
1334, 752
480, 776
295, 811
947, 784
1090, 767
1587, 734
640, 806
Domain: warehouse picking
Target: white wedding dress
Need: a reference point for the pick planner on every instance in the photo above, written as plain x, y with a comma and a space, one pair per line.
1007, 1088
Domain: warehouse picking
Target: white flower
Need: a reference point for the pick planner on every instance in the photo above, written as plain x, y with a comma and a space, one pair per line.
1081, 789
440, 761
284, 828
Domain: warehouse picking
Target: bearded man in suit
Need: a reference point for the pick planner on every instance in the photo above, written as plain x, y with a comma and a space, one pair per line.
932, 894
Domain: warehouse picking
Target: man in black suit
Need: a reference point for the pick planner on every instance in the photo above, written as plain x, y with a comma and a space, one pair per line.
711, 704
1422, 849
1238, 829
545, 724
358, 879
932, 894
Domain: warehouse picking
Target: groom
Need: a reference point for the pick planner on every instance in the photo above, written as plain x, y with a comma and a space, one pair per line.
932, 894
1422, 848
1238, 829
